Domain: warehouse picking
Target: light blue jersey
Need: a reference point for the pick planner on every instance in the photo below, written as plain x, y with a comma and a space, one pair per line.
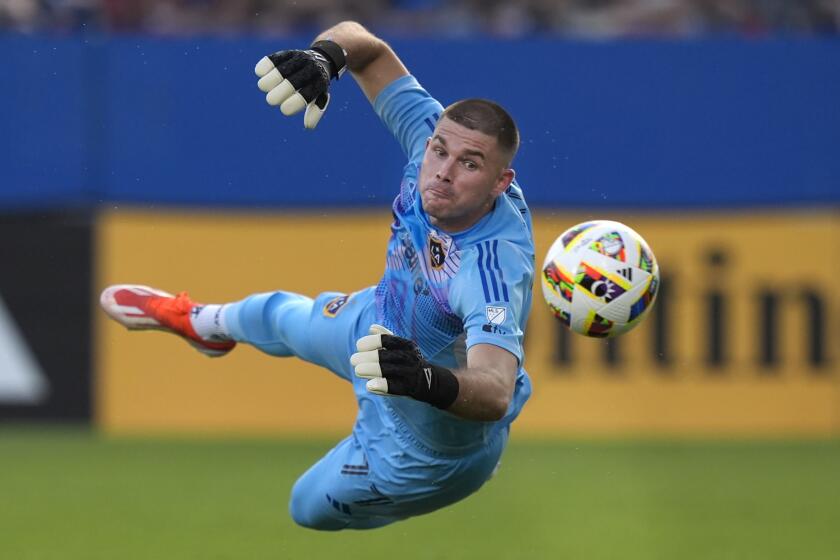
448, 292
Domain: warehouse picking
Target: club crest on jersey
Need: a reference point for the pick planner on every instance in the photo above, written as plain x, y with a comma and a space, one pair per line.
332, 307
437, 252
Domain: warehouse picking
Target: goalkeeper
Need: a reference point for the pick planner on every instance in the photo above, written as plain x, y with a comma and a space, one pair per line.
434, 351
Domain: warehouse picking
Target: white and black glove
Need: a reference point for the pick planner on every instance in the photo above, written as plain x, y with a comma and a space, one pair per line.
394, 366
295, 79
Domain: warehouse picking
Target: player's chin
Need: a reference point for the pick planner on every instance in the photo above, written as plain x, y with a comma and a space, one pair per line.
436, 200
437, 209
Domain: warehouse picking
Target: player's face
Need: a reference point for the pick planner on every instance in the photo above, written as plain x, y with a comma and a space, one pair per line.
463, 172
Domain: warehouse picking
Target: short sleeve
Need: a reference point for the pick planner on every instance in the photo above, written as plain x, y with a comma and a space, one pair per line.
410, 113
491, 293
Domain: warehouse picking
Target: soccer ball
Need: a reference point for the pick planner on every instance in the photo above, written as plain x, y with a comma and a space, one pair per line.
599, 278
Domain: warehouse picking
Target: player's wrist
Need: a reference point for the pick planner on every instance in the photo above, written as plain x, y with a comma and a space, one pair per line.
334, 54
441, 386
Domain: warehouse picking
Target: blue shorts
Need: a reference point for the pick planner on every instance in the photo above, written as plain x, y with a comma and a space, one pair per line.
353, 486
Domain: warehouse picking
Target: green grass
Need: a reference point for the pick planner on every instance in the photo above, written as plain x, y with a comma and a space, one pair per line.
68, 494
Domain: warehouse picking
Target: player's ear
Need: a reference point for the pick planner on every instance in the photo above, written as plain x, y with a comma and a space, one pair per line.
504, 181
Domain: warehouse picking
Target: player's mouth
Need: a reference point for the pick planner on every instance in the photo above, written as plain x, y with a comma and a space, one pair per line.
438, 193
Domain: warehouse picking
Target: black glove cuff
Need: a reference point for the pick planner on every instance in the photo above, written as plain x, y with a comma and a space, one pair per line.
444, 387
335, 54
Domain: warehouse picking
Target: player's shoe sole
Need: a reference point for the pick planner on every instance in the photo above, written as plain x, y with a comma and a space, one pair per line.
143, 308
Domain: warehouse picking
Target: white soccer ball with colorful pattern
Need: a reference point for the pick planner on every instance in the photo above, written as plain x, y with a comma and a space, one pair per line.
600, 278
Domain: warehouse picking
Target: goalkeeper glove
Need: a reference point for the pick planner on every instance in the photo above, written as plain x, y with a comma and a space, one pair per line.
295, 79
395, 366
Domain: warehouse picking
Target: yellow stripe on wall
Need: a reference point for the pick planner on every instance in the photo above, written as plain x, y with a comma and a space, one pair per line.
751, 264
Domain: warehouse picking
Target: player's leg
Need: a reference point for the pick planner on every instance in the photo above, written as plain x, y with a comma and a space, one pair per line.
143, 308
338, 493
346, 490
322, 331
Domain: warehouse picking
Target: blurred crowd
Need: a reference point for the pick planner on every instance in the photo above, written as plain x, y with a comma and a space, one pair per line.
448, 18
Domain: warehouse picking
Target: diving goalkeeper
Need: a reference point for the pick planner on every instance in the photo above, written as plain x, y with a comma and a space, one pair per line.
434, 351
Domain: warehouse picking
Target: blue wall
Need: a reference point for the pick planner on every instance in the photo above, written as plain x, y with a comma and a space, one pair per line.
94, 120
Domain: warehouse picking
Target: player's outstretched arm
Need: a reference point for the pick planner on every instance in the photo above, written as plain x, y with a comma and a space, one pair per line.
370, 60
296, 80
486, 384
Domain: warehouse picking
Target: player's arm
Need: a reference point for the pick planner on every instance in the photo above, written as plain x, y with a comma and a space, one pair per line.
300, 79
394, 366
370, 60
485, 386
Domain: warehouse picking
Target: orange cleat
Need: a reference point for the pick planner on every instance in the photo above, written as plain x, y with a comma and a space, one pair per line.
142, 308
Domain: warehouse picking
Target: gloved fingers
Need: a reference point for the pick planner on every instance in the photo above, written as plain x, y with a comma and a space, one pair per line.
298, 90
293, 104
369, 343
280, 93
373, 341
368, 370
391, 342
382, 363
378, 329
378, 386
263, 67
304, 96
272, 62
365, 357
292, 70
270, 80
315, 110
401, 358
295, 80
385, 387
398, 381
366, 362
288, 62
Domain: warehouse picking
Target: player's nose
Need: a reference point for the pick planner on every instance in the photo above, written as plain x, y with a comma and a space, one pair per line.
444, 172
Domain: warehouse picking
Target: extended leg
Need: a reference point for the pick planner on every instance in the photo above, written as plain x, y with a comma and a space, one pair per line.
321, 331
288, 324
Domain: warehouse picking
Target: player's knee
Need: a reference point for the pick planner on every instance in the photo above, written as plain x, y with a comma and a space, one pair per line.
308, 510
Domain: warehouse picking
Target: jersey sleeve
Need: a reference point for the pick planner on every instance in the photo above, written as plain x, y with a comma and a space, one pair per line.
409, 112
491, 294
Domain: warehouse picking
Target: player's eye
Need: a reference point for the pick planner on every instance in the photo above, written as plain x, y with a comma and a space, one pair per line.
439, 151
470, 165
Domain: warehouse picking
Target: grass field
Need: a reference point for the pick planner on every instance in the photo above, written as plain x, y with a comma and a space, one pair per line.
67, 494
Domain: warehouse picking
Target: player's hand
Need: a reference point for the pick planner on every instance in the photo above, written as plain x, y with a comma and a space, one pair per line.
395, 366
295, 79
